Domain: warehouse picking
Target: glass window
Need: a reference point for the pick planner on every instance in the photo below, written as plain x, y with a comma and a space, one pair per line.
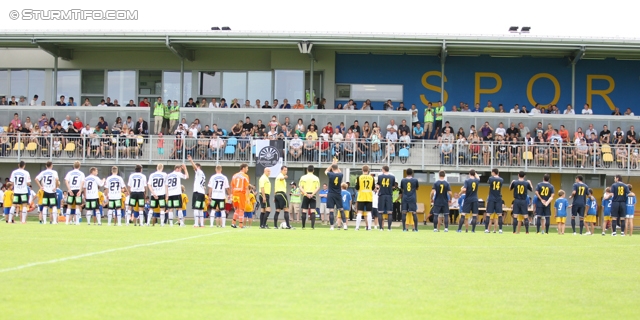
149, 84
36, 85
69, 85
121, 86
19, 85
171, 86
4, 83
234, 86
259, 86
93, 82
343, 91
289, 84
376, 92
210, 84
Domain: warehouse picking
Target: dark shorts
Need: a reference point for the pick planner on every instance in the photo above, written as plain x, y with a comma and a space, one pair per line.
520, 207
542, 211
374, 212
136, 198
385, 203
115, 204
618, 210
470, 207
267, 201
175, 202
217, 204
281, 201
440, 210
74, 200
197, 201
92, 204
308, 203
49, 199
333, 201
159, 203
578, 210
438, 124
409, 206
364, 206
494, 207
20, 199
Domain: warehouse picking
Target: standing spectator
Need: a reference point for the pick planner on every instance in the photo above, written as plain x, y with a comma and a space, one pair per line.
34, 102
414, 115
158, 115
298, 105
428, 120
165, 119
144, 102
401, 107
439, 114
61, 103
174, 115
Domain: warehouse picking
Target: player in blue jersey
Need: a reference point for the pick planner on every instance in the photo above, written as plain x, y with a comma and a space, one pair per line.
470, 189
409, 185
334, 176
494, 202
618, 204
440, 195
579, 195
592, 209
521, 202
631, 209
561, 206
544, 195
606, 209
385, 196
346, 205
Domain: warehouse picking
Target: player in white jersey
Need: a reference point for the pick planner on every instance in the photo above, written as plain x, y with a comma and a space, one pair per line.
174, 192
137, 186
48, 181
20, 178
114, 187
197, 201
218, 192
91, 187
158, 189
74, 181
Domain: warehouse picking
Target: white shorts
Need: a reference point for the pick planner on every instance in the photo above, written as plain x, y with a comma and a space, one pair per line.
323, 208
629, 216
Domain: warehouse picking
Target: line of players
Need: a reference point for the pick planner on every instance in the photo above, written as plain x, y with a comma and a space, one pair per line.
618, 204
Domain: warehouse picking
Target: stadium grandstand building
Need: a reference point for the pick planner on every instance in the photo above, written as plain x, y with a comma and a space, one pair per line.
554, 92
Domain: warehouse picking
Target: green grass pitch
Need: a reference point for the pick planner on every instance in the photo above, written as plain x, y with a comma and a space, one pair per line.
91, 272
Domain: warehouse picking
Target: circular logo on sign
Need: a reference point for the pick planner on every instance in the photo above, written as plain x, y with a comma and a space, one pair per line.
268, 156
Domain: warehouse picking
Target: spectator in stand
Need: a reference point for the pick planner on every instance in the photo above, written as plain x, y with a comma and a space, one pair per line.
564, 134
578, 134
328, 127
605, 135
460, 133
429, 118
144, 102
236, 130
465, 108
591, 130
77, 124
489, 107
43, 120
587, 109
141, 127
235, 104
3, 101
549, 132
108, 102
418, 132
247, 126
439, 113
116, 127
405, 140
275, 104
618, 135
214, 103
569, 110
631, 134
401, 107
310, 143
388, 106
285, 104
536, 109
260, 129
392, 135
313, 125
102, 103
129, 122
206, 132
23, 101
216, 146
34, 101
116, 103
284, 132
501, 109
190, 104
403, 127
355, 128
366, 130
13, 101
513, 132
629, 112
309, 106
339, 107
616, 112
220, 133
266, 105
66, 123
223, 103
500, 130
247, 104
61, 103
87, 103
131, 104
486, 130
392, 127
298, 105
337, 136
295, 147
367, 105
476, 108
414, 115
71, 102
257, 105
203, 104
341, 128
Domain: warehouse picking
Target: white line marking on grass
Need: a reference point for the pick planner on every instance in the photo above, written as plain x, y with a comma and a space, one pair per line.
35, 264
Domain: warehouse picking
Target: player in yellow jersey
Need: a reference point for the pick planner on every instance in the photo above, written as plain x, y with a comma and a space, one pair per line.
185, 200
249, 208
7, 203
101, 203
364, 185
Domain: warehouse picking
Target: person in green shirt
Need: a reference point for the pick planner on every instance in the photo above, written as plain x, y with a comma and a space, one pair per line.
397, 201
174, 116
428, 121
165, 118
295, 200
158, 115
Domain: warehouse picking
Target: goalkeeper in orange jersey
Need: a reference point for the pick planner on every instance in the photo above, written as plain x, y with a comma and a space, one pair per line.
240, 194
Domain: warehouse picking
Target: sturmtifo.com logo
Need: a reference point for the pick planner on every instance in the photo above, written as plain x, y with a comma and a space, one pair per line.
73, 14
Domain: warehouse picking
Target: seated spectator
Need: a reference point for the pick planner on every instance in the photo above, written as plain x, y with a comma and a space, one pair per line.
618, 134
391, 136
193, 130
501, 131
605, 135
446, 150
244, 145
592, 139
341, 128
311, 134
190, 104
313, 125
102, 103
489, 107
324, 135
569, 110
403, 127
220, 133
295, 148
536, 109
235, 104
405, 140
115, 129
460, 133
629, 112
272, 134
87, 103
578, 134
27, 124
337, 136
501, 150
216, 146
206, 132
631, 134
549, 132
355, 127
298, 105
501, 109
486, 130
366, 130
339, 107
309, 105
131, 104
553, 109
300, 129
247, 125
223, 103
512, 131
564, 134
141, 127
115, 103
392, 127
616, 112
555, 136
103, 124
285, 133
586, 109
524, 109
477, 108
288, 124
236, 130
144, 102
367, 105
310, 145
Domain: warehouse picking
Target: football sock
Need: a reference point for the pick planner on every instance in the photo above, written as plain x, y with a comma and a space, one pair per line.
404, 221
44, 215
389, 221
358, 220
473, 223
500, 221
241, 220
98, 217
68, 211
275, 219
380, 221
54, 215
370, 220
223, 218
582, 225
109, 216
162, 215
547, 223
261, 219
526, 225
573, 224
67, 217
622, 224
331, 219
286, 219
538, 225
89, 213
415, 221
119, 216
461, 222
24, 214
313, 219
435, 220
614, 225
515, 223
487, 220
202, 220
170, 217
446, 221
303, 215
212, 218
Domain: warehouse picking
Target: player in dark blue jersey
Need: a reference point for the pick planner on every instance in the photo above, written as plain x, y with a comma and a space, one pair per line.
494, 202
619, 204
579, 195
544, 194
409, 185
606, 209
334, 194
441, 193
520, 202
470, 206
385, 196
